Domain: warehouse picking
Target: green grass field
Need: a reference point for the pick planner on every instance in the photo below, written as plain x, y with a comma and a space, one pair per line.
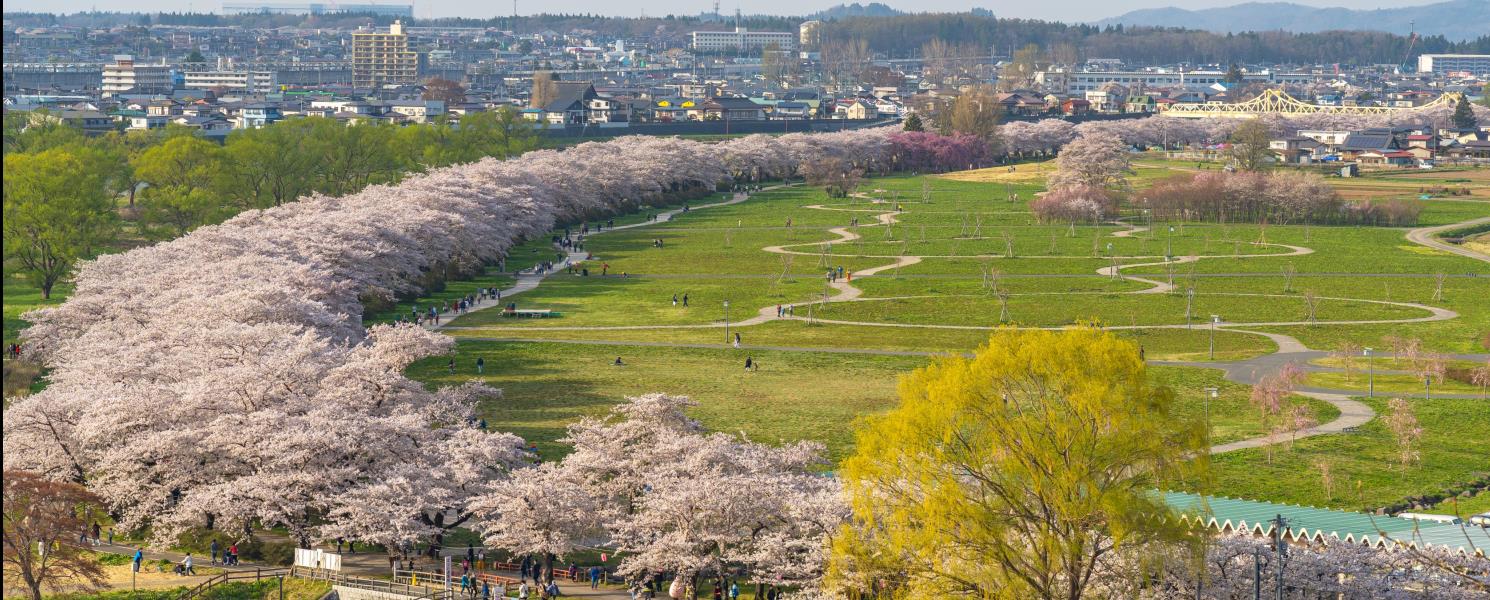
974, 245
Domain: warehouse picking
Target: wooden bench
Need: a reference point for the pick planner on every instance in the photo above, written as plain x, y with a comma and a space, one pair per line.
531, 313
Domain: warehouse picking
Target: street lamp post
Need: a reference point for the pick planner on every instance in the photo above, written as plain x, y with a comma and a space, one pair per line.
726, 321
1214, 320
1371, 373
1211, 393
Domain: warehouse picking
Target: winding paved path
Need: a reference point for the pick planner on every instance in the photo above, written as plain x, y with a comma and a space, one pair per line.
1290, 350
1426, 236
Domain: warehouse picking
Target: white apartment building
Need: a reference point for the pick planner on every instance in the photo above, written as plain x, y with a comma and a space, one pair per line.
253, 82
1477, 64
742, 39
125, 75
1071, 82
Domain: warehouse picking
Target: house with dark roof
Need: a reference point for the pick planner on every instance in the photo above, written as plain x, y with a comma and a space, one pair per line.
570, 104
735, 109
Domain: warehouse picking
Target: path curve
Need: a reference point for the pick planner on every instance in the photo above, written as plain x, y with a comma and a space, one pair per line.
1352, 413
1426, 236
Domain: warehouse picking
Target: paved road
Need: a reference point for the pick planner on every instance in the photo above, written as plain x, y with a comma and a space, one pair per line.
1425, 236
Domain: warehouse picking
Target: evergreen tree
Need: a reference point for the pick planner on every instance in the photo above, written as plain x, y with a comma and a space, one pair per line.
1464, 115
1233, 75
913, 123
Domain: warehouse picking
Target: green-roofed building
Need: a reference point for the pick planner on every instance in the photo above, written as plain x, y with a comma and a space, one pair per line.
1326, 526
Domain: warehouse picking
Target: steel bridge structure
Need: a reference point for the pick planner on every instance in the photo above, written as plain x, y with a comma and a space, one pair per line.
1275, 101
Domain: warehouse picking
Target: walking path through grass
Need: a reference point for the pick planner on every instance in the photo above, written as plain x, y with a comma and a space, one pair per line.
1352, 413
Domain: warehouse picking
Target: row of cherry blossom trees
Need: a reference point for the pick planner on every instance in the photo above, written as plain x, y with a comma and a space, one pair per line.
1280, 197
673, 499
225, 378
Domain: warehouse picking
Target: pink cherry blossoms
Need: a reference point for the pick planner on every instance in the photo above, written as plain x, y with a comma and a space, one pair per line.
225, 378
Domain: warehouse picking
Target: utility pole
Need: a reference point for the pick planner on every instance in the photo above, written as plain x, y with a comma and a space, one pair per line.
1214, 320
1371, 373
1280, 547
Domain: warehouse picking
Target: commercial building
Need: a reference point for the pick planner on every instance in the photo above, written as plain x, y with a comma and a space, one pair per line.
125, 75
383, 58
253, 82
1083, 81
742, 39
277, 8
1440, 64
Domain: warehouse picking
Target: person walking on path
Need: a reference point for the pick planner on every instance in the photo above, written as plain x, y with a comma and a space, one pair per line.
737, 340
186, 567
139, 559
213, 549
595, 573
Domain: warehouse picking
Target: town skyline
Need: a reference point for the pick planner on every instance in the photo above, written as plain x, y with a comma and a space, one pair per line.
1088, 10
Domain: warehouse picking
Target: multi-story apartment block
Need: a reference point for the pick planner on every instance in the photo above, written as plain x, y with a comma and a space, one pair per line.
742, 39
1477, 64
383, 58
253, 82
125, 75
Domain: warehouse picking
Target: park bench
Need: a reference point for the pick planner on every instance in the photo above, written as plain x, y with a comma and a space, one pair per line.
531, 313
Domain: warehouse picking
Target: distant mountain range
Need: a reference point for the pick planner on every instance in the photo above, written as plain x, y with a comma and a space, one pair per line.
1456, 20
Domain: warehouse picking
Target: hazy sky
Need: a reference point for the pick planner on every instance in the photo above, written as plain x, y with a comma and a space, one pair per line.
1066, 10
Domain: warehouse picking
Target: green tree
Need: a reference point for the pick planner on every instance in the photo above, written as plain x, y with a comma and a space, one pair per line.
268, 166
56, 212
502, 133
1464, 115
913, 123
348, 159
35, 131
194, 57
1014, 473
1233, 75
1485, 95
1250, 145
183, 176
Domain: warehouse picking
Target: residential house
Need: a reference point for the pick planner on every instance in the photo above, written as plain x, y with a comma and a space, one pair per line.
791, 110
254, 116
861, 109
1075, 106
737, 109
1297, 149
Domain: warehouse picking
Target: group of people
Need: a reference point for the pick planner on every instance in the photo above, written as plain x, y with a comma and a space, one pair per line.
785, 311
13, 351
838, 273
685, 299
230, 555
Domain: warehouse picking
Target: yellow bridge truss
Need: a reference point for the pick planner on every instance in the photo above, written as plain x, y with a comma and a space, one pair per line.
1278, 101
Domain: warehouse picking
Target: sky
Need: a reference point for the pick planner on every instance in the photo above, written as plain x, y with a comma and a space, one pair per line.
1067, 10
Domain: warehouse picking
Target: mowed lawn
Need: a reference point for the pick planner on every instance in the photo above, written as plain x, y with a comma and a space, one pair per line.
792, 395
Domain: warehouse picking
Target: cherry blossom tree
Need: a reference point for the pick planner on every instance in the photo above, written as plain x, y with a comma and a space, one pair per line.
1098, 161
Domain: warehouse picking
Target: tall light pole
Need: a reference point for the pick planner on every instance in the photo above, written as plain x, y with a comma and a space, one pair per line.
1371, 376
1214, 320
1211, 393
726, 321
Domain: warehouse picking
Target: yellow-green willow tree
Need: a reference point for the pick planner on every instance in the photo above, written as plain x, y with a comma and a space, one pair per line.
1019, 473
